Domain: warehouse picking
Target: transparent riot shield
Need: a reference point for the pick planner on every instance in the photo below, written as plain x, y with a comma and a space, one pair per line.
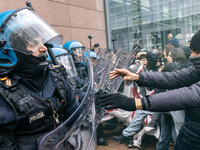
67, 61
108, 63
122, 61
102, 66
78, 131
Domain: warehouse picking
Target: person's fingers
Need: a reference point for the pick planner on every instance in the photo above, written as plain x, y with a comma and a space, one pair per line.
105, 103
124, 72
127, 78
108, 99
113, 72
117, 70
102, 100
103, 96
120, 71
113, 76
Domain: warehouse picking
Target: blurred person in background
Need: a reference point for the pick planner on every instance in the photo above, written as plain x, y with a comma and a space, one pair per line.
172, 121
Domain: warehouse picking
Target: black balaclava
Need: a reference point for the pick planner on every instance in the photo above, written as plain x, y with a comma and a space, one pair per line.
30, 66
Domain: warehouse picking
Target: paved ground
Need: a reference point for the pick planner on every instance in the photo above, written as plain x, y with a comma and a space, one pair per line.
149, 142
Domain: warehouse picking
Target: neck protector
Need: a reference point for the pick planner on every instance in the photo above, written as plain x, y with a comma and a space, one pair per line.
30, 66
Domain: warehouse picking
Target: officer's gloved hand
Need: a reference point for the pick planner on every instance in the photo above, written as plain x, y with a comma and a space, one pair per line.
112, 101
100, 92
61, 70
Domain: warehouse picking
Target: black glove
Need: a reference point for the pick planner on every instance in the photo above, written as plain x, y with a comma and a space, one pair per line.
61, 70
100, 92
112, 101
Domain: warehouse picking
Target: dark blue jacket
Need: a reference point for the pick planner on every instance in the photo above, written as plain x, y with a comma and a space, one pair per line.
184, 89
7, 115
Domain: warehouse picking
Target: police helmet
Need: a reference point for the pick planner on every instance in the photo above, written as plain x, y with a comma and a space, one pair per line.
64, 58
93, 55
76, 49
19, 28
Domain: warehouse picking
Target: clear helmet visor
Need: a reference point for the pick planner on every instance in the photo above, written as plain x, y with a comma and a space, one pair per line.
67, 61
78, 53
26, 29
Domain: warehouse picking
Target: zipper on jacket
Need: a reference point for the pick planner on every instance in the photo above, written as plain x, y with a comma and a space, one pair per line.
55, 114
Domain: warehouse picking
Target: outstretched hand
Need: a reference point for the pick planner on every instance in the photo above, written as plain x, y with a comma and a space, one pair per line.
112, 101
126, 74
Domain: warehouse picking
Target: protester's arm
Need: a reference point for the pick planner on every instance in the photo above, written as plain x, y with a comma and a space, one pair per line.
169, 80
179, 99
124, 73
162, 80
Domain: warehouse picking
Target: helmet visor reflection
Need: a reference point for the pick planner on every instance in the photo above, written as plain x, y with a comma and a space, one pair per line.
78, 51
27, 28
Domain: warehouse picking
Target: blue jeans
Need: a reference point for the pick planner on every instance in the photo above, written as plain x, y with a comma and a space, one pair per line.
136, 122
178, 119
167, 132
189, 137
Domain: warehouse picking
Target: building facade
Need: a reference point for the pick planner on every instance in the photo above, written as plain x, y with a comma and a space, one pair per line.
74, 19
148, 22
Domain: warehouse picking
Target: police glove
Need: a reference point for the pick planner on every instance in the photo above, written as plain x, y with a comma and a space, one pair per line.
61, 70
112, 101
100, 92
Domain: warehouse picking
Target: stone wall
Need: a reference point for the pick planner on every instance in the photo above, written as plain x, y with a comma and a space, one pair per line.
74, 19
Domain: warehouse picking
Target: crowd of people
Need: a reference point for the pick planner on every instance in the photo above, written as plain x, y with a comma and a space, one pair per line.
40, 91
176, 95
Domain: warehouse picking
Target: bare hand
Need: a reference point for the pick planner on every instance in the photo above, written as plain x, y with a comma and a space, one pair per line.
126, 74
170, 36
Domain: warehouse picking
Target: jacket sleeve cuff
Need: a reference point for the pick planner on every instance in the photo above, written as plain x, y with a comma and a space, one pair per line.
140, 79
143, 104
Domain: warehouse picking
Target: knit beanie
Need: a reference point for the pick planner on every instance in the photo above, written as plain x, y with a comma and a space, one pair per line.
194, 44
174, 42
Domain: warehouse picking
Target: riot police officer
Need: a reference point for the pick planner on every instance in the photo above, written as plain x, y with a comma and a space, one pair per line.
76, 49
33, 99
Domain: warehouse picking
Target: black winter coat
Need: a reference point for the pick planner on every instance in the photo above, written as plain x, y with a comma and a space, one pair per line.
186, 93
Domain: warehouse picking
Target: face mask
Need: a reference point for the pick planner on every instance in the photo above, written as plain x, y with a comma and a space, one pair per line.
30, 66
